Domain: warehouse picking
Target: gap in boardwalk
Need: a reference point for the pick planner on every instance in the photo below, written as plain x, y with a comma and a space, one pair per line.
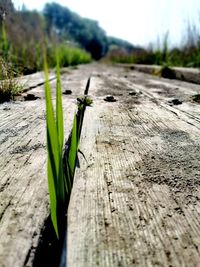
50, 248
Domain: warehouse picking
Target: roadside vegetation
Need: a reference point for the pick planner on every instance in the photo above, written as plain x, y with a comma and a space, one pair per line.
9, 85
25, 33
77, 40
187, 55
23, 36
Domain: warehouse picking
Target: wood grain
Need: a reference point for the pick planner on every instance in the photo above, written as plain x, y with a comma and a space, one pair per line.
24, 200
135, 201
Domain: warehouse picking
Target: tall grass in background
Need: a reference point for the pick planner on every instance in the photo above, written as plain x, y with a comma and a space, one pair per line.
68, 55
27, 59
4, 42
186, 55
61, 159
25, 56
9, 85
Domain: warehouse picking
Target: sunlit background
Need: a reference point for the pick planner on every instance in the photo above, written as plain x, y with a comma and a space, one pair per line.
158, 32
139, 22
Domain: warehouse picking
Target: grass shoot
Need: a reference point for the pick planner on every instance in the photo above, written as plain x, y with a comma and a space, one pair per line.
61, 162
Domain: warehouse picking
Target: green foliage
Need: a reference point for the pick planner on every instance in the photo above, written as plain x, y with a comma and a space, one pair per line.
23, 36
60, 133
61, 166
9, 85
87, 87
55, 184
24, 33
68, 56
188, 55
82, 103
165, 51
4, 42
73, 148
86, 32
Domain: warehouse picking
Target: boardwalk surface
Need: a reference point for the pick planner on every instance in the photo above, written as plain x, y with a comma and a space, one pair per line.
24, 203
135, 201
136, 198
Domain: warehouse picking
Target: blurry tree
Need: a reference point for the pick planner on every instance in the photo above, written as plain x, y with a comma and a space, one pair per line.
6, 9
115, 43
24, 31
86, 32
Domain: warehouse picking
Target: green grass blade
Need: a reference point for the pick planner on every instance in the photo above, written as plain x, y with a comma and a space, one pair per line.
80, 122
4, 40
69, 178
87, 86
61, 184
60, 131
52, 194
73, 148
53, 152
59, 111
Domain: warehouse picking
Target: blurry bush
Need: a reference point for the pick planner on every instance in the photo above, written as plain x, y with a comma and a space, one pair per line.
24, 34
187, 55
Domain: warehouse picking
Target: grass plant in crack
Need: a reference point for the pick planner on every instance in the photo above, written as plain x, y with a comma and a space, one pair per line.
55, 135
61, 159
72, 144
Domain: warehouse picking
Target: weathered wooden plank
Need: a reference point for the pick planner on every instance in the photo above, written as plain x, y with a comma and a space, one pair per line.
183, 74
33, 80
24, 203
135, 201
166, 91
125, 209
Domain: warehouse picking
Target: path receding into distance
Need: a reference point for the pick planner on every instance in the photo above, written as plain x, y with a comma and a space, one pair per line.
135, 199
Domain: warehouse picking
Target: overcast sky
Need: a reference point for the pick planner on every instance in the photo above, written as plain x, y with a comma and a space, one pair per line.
138, 21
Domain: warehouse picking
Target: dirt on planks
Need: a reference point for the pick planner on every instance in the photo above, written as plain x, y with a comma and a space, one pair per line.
174, 164
137, 201
140, 188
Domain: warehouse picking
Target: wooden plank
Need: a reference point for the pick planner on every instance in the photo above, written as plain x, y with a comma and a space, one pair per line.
24, 201
179, 73
124, 209
135, 199
164, 91
31, 81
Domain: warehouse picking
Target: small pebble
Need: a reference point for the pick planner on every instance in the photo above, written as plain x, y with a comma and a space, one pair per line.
67, 92
6, 108
132, 93
110, 98
30, 97
175, 101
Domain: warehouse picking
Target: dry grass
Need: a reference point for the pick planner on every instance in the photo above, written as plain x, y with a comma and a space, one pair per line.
9, 85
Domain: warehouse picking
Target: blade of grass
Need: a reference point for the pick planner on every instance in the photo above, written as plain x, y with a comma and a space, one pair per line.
59, 111
69, 178
73, 148
60, 131
53, 151
87, 87
4, 41
52, 193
